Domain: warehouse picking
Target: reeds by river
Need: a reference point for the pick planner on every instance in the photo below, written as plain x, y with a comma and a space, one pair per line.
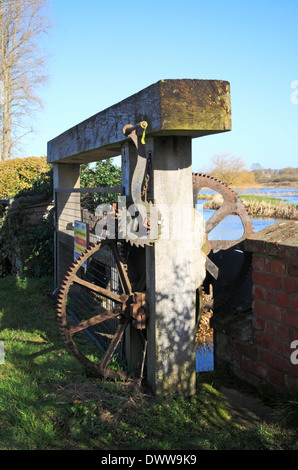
260, 206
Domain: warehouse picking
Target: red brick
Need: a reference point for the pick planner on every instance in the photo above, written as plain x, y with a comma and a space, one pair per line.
290, 285
294, 335
278, 266
270, 296
294, 302
275, 360
258, 323
272, 312
282, 331
261, 370
258, 293
269, 329
294, 370
282, 299
267, 280
268, 342
268, 265
276, 377
293, 269
258, 263
290, 318
287, 351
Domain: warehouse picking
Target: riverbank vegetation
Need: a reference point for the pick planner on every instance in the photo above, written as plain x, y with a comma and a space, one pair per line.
47, 401
274, 208
260, 206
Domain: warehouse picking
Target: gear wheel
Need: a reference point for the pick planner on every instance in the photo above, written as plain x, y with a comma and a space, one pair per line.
139, 224
91, 305
225, 284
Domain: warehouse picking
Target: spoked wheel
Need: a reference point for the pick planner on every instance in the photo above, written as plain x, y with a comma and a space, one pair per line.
96, 303
227, 263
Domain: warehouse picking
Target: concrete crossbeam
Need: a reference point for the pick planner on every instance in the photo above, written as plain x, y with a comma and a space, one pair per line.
185, 107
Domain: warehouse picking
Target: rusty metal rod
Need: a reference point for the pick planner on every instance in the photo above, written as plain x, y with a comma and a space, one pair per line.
129, 128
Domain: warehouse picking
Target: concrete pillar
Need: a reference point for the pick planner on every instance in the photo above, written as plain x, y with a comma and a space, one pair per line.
175, 269
67, 209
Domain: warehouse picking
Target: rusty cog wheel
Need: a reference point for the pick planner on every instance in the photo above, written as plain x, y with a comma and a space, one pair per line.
95, 305
225, 282
140, 228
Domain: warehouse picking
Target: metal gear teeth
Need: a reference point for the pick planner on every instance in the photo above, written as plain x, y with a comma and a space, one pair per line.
247, 225
62, 324
242, 209
217, 181
139, 242
122, 224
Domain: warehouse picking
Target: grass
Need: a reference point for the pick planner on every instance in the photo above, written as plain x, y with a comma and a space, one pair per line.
262, 206
255, 198
47, 402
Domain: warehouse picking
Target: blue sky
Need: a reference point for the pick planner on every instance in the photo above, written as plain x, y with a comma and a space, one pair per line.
104, 51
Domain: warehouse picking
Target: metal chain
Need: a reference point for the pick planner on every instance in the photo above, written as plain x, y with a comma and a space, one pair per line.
145, 187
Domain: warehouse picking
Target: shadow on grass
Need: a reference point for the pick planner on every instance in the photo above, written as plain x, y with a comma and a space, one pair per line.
48, 402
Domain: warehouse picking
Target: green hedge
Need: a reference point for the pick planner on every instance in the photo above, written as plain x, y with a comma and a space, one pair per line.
34, 244
20, 174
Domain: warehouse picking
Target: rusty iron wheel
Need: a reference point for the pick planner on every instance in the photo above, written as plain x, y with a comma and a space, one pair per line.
226, 285
94, 307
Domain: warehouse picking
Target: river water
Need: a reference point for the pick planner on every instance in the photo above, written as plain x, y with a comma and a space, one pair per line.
231, 229
288, 194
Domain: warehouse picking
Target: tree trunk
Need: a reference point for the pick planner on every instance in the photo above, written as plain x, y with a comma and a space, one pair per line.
21, 23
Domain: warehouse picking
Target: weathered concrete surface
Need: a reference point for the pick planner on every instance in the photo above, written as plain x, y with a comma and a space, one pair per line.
279, 239
171, 107
67, 209
175, 269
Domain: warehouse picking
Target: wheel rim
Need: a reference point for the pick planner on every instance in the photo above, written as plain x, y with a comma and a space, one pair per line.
90, 302
232, 205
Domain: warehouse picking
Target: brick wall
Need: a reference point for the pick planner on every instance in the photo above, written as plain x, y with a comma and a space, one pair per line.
263, 357
275, 319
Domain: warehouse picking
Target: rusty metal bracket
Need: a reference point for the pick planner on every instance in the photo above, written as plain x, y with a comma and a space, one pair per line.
138, 311
139, 186
139, 172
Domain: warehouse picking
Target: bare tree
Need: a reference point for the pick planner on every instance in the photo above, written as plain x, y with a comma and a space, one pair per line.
257, 169
22, 66
227, 168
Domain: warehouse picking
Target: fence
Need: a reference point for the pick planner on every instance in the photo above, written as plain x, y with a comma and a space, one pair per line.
74, 209
81, 205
